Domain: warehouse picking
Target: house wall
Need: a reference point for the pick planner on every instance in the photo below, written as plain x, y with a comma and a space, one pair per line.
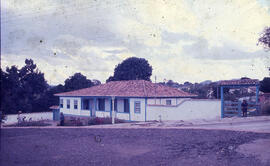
34, 116
120, 105
103, 114
162, 101
187, 110
71, 110
137, 116
124, 116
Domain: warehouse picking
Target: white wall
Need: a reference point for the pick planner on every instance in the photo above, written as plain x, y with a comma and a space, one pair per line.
124, 116
162, 101
107, 104
35, 117
103, 114
120, 105
137, 116
187, 110
71, 110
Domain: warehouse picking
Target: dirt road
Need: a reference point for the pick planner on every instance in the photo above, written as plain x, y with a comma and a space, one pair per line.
112, 146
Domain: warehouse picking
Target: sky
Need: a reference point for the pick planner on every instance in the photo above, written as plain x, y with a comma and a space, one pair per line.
183, 40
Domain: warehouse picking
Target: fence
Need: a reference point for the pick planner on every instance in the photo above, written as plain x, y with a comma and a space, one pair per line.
233, 108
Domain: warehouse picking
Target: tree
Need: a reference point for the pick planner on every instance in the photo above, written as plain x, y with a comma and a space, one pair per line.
77, 81
33, 86
49, 97
132, 69
265, 38
22, 89
10, 90
217, 91
96, 82
265, 85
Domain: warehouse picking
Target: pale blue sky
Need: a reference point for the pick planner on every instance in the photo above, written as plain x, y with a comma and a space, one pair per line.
183, 40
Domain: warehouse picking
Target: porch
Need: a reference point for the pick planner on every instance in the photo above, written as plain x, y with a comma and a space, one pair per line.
103, 107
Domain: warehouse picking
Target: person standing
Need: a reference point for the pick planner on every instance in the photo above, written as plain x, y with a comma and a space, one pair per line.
19, 117
244, 106
62, 119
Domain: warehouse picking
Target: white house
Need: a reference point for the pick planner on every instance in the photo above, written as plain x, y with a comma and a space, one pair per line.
137, 100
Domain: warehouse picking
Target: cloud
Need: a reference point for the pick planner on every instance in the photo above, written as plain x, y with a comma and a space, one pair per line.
225, 51
182, 40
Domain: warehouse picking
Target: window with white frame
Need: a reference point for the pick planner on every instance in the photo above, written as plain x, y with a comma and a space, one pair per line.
75, 104
68, 104
168, 102
137, 107
61, 103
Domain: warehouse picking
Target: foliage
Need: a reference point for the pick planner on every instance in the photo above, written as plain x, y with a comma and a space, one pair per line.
265, 85
75, 121
26, 89
266, 109
2, 117
107, 120
265, 38
132, 69
217, 90
22, 88
77, 81
29, 123
49, 99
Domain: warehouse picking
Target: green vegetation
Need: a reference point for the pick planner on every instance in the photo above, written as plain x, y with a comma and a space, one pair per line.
132, 69
29, 123
25, 89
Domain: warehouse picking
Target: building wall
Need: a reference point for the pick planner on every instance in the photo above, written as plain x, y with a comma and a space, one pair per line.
120, 105
181, 109
107, 104
34, 116
187, 110
71, 110
103, 114
124, 116
162, 101
137, 116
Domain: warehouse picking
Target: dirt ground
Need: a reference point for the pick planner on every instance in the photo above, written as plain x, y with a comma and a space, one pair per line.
137, 146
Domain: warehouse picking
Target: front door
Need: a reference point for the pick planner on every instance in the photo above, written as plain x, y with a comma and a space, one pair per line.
56, 114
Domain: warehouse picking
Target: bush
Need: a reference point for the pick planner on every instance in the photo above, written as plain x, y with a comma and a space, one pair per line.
29, 123
266, 109
72, 121
107, 120
2, 117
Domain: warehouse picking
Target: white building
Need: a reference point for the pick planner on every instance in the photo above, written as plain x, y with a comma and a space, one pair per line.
137, 100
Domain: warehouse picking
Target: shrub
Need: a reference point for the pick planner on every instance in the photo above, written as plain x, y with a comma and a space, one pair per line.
266, 109
29, 123
73, 121
106, 120
2, 117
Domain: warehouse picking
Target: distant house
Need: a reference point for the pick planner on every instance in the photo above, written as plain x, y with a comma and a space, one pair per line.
135, 100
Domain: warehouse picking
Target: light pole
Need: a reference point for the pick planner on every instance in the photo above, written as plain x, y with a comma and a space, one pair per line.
113, 97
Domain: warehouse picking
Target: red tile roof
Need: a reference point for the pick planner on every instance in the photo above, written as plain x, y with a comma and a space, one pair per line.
132, 88
240, 82
54, 107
